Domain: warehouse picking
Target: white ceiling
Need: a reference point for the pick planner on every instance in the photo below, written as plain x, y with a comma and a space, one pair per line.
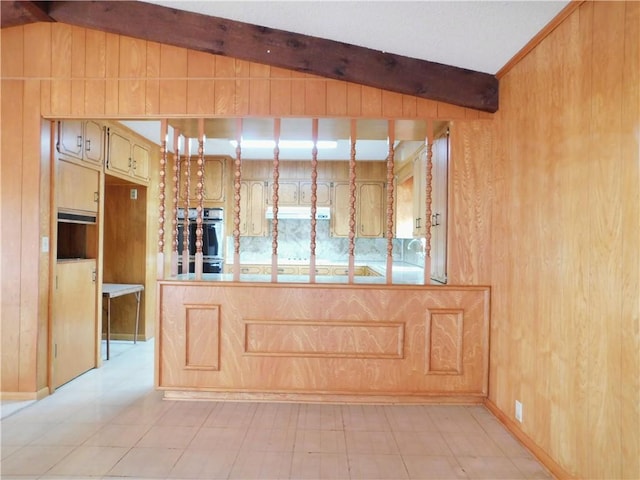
480, 35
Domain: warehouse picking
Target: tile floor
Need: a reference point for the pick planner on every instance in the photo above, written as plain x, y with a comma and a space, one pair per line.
111, 423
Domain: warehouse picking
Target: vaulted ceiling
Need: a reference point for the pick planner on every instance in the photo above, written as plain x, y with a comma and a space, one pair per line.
445, 51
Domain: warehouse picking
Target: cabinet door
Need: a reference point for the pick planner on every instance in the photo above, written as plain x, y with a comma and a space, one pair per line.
244, 207
287, 193
77, 187
214, 180
252, 219
74, 320
93, 142
340, 210
70, 138
140, 162
419, 195
323, 194
404, 221
119, 153
257, 222
370, 210
439, 210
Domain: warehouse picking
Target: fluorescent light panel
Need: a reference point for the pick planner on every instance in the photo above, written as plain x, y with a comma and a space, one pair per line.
301, 144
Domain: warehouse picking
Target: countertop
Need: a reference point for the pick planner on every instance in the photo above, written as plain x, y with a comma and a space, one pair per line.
403, 274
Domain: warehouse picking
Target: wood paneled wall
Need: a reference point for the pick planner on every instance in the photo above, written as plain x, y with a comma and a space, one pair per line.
550, 209
54, 70
565, 236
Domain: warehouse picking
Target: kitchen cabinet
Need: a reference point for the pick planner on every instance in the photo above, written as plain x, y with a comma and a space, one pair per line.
252, 208
420, 194
323, 194
74, 328
213, 185
440, 162
127, 157
284, 269
77, 187
370, 219
82, 140
322, 270
293, 193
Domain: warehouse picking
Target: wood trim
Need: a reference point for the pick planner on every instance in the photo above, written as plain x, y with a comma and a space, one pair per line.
279, 48
322, 397
556, 470
541, 35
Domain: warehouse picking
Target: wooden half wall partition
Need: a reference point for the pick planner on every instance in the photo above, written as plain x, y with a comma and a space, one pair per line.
327, 343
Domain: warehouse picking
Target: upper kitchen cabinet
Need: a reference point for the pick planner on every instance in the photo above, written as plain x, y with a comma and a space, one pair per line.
370, 201
128, 156
323, 193
77, 188
212, 186
82, 140
292, 193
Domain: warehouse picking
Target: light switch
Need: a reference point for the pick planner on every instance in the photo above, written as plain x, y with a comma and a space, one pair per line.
45, 244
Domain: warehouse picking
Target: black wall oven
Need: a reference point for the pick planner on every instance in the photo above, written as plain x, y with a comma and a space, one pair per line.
212, 239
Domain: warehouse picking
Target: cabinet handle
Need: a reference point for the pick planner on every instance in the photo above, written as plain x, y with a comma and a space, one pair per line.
96, 197
418, 221
87, 145
435, 220
130, 162
93, 275
79, 141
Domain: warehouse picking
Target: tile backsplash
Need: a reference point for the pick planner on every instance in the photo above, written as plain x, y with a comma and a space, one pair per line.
294, 238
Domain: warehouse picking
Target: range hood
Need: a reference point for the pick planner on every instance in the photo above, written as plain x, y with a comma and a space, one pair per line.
299, 213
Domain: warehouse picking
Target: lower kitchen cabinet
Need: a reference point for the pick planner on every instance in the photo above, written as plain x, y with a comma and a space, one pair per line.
74, 332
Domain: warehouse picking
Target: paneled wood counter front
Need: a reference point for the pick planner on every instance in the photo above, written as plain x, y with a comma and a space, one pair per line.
340, 343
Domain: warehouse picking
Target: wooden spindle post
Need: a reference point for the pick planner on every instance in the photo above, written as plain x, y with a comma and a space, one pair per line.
429, 201
314, 200
187, 189
176, 201
161, 194
276, 180
352, 200
390, 200
237, 183
200, 199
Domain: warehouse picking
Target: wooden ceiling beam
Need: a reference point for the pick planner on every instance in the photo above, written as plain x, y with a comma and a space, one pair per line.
293, 51
20, 13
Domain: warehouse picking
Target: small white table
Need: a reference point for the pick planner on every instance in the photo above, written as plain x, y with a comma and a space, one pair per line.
113, 290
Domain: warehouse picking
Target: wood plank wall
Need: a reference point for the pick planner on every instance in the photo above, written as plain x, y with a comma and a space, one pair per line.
62, 71
559, 246
565, 236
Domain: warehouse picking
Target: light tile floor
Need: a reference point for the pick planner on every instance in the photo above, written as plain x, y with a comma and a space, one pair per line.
111, 423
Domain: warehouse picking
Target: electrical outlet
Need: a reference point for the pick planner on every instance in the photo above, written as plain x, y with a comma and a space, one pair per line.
519, 411
133, 194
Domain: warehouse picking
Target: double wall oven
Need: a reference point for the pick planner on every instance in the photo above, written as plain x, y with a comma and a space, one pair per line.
212, 239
